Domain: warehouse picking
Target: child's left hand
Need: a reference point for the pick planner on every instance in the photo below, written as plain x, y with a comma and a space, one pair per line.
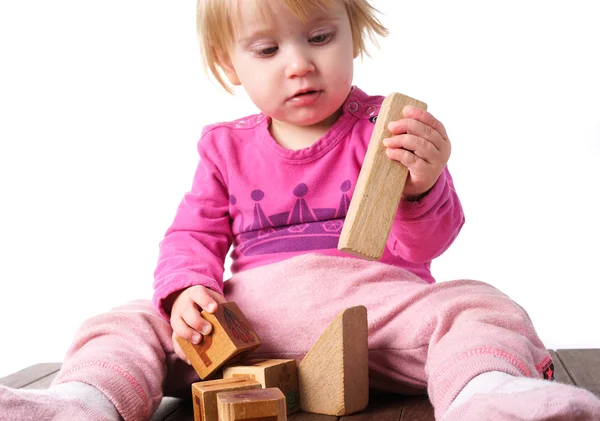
420, 143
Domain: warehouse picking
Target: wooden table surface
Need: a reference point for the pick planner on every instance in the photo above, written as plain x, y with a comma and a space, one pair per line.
580, 367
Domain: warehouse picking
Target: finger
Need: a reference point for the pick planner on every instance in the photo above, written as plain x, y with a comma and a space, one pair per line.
425, 117
419, 146
192, 317
183, 330
420, 129
178, 351
219, 299
406, 158
203, 299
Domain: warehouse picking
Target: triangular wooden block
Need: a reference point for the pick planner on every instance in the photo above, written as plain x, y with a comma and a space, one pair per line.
334, 376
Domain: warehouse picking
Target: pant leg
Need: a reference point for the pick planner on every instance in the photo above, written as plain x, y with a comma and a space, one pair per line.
473, 328
127, 353
435, 337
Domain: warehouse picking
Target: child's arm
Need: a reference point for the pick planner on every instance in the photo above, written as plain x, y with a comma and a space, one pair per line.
430, 214
194, 248
424, 229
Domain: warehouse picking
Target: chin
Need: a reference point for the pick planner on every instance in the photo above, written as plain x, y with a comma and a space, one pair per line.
309, 123
316, 118
306, 122
300, 121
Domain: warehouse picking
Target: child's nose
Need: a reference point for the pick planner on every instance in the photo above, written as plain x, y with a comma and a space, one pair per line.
299, 64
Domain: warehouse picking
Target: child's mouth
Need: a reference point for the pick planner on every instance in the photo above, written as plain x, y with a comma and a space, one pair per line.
306, 98
305, 93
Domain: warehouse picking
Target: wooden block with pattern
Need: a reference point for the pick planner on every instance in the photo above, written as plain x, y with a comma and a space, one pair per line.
333, 377
282, 374
378, 189
205, 395
255, 405
231, 339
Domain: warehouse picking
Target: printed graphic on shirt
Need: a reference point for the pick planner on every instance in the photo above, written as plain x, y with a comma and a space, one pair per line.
302, 228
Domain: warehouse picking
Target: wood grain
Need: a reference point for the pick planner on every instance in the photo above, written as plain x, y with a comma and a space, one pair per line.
583, 366
205, 395
257, 405
417, 408
378, 189
560, 373
30, 375
280, 373
232, 337
333, 377
382, 407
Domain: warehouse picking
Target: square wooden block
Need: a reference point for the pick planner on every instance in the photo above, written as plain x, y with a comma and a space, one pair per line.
205, 395
255, 405
282, 374
232, 338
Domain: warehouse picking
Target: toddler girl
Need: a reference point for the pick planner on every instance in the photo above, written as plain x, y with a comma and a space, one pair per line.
276, 186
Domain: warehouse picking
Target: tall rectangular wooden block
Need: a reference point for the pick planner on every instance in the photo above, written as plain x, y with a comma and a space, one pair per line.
205, 395
378, 189
282, 374
232, 338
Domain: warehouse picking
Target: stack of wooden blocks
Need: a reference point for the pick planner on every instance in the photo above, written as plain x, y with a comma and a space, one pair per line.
332, 378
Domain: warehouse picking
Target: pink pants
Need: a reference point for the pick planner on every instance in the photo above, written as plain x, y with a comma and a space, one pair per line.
422, 337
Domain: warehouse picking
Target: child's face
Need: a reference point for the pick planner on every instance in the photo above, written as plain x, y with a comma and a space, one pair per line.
276, 60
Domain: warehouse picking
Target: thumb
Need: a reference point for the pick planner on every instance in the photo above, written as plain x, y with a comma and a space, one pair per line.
217, 297
178, 351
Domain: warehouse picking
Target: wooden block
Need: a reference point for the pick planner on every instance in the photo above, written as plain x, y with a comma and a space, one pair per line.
378, 189
334, 376
282, 374
256, 405
205, 395
232, 338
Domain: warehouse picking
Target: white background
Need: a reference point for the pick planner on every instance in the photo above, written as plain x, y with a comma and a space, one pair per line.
102, 103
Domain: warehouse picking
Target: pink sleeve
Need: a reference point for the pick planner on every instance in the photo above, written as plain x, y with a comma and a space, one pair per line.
194, 248
423, 230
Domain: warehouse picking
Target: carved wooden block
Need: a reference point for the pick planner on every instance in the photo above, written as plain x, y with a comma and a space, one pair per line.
255, 405
205, 395
282, 374
378, 189
334, 376
231, 339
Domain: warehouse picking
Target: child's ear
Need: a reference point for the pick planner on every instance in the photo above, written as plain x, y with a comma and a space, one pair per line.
224, 61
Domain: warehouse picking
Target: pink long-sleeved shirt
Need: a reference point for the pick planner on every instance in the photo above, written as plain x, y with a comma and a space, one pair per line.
272, 203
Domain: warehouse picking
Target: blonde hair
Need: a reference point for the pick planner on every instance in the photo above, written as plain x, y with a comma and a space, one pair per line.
215, 20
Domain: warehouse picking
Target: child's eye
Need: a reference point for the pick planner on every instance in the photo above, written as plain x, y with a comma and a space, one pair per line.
266, 52
321, 38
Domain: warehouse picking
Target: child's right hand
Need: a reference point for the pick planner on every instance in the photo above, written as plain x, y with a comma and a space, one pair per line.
186, 320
